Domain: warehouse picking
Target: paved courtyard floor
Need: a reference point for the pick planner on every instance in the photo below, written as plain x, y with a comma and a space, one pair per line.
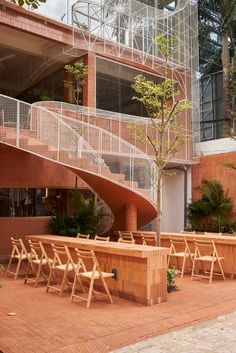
211, 336
46, 323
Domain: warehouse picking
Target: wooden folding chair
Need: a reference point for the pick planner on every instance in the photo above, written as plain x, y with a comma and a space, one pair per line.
149, 239
205, 252
97, 237
84, 236
62, 262
185, 253
94, 274
38, 260
126, 237
19, 253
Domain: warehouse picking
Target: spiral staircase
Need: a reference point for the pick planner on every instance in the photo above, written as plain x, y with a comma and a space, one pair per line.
117, 171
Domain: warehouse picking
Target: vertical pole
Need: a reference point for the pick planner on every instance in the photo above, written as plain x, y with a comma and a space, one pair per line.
58, 139
17, 124
185, 195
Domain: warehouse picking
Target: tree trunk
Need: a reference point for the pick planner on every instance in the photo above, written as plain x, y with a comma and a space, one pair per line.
158, 223
226, 86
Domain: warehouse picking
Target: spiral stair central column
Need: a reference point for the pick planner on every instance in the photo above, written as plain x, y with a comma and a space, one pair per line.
89, 87
130, 217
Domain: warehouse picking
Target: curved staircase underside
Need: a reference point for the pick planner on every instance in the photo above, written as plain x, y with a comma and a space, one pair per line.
114, 195
117, 171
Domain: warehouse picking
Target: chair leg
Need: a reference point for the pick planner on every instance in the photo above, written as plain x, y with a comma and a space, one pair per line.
38, 275
27, 272
9, 264
73, 289
168, 261
183, 267
49, 279
63, 283
106, 289
221, 269
90, 292
17, 268
211, 272
193, 269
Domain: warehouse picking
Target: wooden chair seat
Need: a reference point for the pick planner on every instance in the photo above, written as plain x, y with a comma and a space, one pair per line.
96, 274
22, 257
181, 254
43, 261
201, 248
64, 267
209, 258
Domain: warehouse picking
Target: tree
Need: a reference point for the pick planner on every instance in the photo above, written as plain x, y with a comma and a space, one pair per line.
163, 107
34, 4
214, 206
78, 72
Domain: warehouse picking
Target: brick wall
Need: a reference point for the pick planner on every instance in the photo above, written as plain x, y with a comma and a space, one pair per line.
210, 168
18, 227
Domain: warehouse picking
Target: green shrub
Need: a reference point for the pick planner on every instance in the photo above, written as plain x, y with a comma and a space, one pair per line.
64, 224
1, 270
83, 217
212, 212
171, 274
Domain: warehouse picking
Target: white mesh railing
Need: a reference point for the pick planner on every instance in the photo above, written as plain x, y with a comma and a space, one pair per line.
76, 144
119, 124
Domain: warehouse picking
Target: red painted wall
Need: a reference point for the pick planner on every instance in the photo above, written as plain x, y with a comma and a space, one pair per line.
18, 227
24, 170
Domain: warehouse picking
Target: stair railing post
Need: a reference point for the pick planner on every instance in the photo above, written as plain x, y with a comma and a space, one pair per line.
79, 143
58, 138
132, 168
17, 124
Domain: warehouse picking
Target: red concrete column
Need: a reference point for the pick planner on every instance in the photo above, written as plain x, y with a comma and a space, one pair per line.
130, 217
89, 87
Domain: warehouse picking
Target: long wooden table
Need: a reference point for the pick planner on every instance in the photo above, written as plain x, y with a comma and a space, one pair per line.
141, 269
225, 244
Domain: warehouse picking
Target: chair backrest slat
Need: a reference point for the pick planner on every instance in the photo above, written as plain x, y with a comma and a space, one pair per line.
83, 236
97, 237
126, 237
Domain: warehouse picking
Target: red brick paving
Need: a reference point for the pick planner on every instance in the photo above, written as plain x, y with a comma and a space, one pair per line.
48, 323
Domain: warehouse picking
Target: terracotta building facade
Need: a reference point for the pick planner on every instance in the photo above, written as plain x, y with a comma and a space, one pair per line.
42, 149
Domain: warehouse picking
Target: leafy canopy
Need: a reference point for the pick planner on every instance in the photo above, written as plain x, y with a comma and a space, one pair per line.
34, 4
78, 72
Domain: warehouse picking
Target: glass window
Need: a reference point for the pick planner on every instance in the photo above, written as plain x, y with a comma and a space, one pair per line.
113, 87
22, 202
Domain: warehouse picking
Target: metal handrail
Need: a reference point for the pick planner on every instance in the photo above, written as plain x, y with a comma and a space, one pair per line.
109, 145
90, 113
44, 133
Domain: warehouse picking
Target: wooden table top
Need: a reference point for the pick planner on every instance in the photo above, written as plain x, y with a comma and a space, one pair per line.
133, 250
218, 239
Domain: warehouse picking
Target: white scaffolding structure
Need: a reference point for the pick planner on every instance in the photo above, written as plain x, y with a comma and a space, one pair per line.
127, 29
